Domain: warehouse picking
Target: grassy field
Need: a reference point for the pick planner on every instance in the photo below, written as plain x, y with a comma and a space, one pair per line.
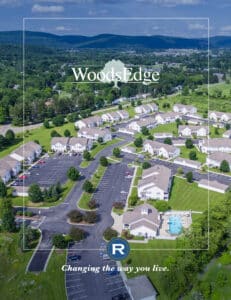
18, 201
187, 196
95, 180
41, 134
170, 127
184, 152
148, 258
15, 284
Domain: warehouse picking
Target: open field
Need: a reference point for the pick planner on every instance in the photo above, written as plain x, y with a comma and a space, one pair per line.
15, 284
187, 196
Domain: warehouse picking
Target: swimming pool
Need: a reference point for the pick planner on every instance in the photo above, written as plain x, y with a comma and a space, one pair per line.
175, 225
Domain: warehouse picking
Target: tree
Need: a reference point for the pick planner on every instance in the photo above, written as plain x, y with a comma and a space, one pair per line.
161, 205
58, 120
133, 200
46, 124
67, 133
116, 152
189, 177
100, 139
146, 165
73, 174
189, 144
216, 131
35, 194
144, 130
7, 215
178, 122
10, 136
120, 107
92, 204
110, 233
27, 236
150, 137
168, 141
54, 133
3, 189
75, 216
224, 166
91, 217
103, 161
76, 234
193, 155
227, 126
3, 141
86, 155
88, 186
138, 142
59, 241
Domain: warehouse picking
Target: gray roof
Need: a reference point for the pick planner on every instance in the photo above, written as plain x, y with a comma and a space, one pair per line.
27, 149
90, 120
146, 122
179, 105
217, 142
93, 131
141, 288
160, 134
10, 161
214, 183
61, 140
228, 132
220, 156
157, 176
78, 140
157, 145
136, 219
192, 128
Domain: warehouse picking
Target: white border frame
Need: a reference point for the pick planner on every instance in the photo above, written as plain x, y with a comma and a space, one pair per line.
129, 19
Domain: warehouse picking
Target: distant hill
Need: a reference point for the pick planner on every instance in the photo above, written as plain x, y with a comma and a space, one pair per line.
110, 41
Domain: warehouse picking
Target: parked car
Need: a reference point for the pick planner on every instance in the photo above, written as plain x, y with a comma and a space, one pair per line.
22, 177
74, 257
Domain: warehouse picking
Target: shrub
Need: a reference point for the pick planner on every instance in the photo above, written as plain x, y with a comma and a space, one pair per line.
118, 205
88, 187
58, 240
75, 216
103, 161
92, 204
146, 165
110, 233
91, 217
77, 234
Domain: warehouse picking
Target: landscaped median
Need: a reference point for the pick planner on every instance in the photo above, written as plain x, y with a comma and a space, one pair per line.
99, 147
24, 201
95, 180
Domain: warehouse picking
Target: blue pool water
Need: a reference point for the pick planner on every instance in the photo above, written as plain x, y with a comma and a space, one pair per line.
175, 225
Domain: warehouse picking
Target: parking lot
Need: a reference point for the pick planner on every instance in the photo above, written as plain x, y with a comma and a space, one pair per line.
105, 285
50, 170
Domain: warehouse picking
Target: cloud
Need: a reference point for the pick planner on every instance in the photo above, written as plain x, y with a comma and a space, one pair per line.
197, 26
62, 28
225, 30
172, 3
10, 3
36, 8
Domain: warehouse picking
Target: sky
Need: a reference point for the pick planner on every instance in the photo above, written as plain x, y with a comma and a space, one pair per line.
185, 18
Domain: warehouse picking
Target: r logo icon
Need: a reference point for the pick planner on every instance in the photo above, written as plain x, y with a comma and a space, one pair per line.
118, 248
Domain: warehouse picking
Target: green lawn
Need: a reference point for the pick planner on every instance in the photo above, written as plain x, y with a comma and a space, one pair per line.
170, 127
143, 258
41, 134
15, 284
18, 201
99, 147
95, 180
186, 196
218, 134
184, 152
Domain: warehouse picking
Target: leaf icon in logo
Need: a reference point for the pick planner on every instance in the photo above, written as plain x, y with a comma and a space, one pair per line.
115, 71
